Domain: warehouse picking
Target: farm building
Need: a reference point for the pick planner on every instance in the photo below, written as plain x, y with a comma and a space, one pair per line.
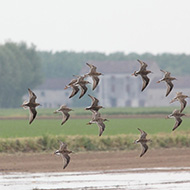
117, 88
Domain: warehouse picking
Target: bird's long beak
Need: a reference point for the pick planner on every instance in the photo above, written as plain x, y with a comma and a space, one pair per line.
158, 82
133, 74
66, 87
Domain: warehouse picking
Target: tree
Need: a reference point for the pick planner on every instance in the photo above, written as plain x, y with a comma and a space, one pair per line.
20, 68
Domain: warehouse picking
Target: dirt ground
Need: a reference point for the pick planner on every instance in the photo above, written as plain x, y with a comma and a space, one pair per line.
92, 161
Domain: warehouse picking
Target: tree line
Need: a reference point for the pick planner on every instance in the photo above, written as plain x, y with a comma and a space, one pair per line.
22, 66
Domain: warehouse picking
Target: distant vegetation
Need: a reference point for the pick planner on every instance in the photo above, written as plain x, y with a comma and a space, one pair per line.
79, 143
22, 67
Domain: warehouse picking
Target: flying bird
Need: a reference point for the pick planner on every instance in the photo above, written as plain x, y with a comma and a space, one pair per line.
94, 74
181, 98
31, 104
74, 87
97, 119
82, 83
177, 115
168, 79
64, 153
94, 105
143, 72
143, 140
65, 111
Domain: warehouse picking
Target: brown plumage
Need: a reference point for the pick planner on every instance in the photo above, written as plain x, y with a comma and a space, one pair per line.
64, 153
168, 79
143, 142
143, 73
94, 105
74, 87
177, 115
65, 111
181, 98
94, 74
97, 119
31, 104
82, 83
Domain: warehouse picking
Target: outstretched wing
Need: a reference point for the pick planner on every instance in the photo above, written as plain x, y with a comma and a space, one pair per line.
95, 82
66, 160
101, 126
143, 134
32, 96
145, 81
144, 149
75, 90
95, 101
83, 90
33, 114
143, 65
177, 123
183, 103
63, 146
169, 87
66, 116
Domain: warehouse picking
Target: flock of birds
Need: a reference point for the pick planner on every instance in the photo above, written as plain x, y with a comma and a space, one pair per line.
79, 84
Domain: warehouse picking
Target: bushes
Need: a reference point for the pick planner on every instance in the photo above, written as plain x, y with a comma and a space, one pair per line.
91, 143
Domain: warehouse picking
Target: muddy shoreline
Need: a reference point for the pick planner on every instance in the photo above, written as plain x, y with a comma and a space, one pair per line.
95, 161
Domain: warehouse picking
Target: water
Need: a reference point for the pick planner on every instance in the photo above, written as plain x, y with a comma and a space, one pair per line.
129, 179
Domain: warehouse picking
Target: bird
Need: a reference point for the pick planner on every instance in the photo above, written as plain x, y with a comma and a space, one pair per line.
82, 83
31, 104
168, 79
74, 87
181, 98
94, 74
94, 105
64, 153
65, 111
143, 73
97, 119
143, 140
177, 115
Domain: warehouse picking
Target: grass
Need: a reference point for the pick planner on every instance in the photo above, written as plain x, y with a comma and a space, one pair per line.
21, 128
16, 135
20, 112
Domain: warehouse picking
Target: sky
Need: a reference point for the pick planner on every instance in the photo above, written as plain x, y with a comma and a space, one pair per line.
107, 26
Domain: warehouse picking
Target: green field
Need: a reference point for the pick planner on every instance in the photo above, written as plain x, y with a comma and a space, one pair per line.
19, 112
16, 135
40, 127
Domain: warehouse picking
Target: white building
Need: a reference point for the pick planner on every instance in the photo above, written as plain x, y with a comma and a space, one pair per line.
117, 87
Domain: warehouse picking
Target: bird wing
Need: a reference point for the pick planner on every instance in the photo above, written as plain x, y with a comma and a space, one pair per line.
143, 65
83, 90
169, 87
66, 160
143, 134
92, 68
95, 114
32, 96
33, 114
75, 90
95, 82
66, 116
183, 103
63, 146
177, 123
95, 101
101, 126
144, 148
145, 81
166, 73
